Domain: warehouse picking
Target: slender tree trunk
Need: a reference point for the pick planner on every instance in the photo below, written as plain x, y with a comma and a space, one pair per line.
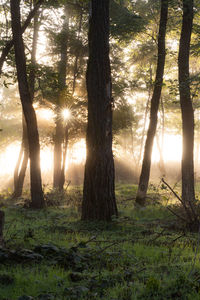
144, 128
36, 27
58, 140
21, 166
77, 55
10, 43
146, 165
161, 163
22, 163
59, 163
99, 191
37, 198
188, 193
16, 171
65, 147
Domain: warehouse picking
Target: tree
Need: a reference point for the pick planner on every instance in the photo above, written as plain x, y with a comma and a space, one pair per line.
22, 162
187, 164
146, 164
99, 192
59, 138
37, 198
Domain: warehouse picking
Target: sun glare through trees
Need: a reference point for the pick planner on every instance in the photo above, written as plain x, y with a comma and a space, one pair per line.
99, 122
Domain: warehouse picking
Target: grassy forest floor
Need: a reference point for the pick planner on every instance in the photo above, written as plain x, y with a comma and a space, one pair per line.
143, 254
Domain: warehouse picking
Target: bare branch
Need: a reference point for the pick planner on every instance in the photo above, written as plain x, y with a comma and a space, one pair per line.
10, 43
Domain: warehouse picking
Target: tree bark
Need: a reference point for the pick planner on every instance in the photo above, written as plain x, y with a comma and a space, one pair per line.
188, 193
59, 163
58, 140
37, 198
144, 128
146, 164
162, 163
21, 166
22, 163
10, 43
99, 191
64, 155
75, 75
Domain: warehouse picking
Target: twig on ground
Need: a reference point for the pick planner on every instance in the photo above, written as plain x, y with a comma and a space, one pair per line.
112, 244
157, 236
184, 220
128, 199
177, 238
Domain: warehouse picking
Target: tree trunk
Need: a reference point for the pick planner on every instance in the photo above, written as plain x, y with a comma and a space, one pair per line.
188, 193
21, 166
58, 140
65, 146
37, 198
161, 164
36, 27
146, 165
77, 55
99, 191
143, 131
161, 147
59, 163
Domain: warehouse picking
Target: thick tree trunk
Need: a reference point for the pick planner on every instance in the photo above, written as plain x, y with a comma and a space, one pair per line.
59, 163
188, 193
37, 198
10, 43
146, 165
99, 191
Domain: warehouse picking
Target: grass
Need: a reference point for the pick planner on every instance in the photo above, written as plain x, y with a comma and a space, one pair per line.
51, 254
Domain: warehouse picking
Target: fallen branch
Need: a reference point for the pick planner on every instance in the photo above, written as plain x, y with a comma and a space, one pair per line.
171, 189
112, 244
157, 236
177, 238
176, 215
128, 199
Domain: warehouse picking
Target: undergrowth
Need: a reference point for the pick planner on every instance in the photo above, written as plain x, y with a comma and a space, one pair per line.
143, 254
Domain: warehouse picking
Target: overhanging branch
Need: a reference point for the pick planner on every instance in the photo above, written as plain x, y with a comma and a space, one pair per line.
10, 43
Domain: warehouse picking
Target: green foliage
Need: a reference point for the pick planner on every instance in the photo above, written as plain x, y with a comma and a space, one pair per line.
47, 80
123, 117
50, 254
124, 23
